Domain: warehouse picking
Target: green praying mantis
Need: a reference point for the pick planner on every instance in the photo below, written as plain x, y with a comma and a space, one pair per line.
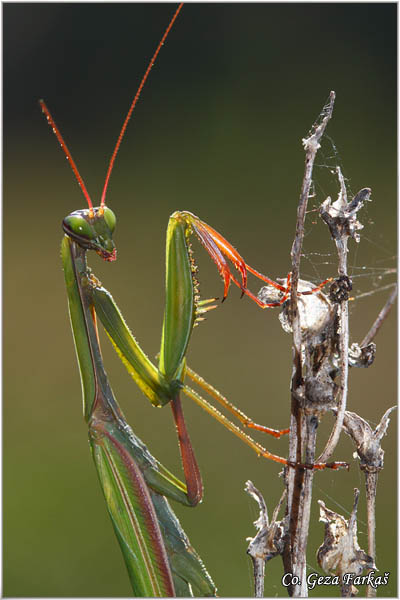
158, 555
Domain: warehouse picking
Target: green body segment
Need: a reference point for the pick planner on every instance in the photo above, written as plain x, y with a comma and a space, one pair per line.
158, 555
78, 324
186, 565
180, 308
133, 515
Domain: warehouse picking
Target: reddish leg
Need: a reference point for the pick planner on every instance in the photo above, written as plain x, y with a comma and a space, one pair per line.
189, 462
316, 289
261, 304
275, 432
260, 450
244, 419
220, 250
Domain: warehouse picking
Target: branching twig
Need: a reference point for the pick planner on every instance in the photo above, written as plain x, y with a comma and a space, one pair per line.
380, 319
341, 219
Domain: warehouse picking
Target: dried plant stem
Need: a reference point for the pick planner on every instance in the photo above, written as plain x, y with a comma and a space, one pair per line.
299, 482
304, 505
341, 245
371, 482
347, 588
259, 576
380, 319
258, 556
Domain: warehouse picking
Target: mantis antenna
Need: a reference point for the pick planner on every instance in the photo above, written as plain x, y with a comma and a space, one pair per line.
67, 153
122, 132
134, 102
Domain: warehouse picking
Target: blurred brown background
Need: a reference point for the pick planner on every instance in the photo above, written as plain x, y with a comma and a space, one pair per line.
218, 132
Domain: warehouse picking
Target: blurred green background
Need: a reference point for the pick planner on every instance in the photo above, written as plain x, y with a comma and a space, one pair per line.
218, 132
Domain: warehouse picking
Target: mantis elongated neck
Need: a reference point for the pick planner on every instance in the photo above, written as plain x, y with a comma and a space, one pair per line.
98, 394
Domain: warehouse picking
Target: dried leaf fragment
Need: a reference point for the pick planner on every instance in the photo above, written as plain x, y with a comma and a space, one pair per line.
341, 216
362, 356
340, 553
268, 542
367, 440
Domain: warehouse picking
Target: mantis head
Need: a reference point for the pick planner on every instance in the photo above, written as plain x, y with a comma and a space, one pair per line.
92, 229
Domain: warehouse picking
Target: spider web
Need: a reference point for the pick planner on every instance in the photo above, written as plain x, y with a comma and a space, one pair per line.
372, 263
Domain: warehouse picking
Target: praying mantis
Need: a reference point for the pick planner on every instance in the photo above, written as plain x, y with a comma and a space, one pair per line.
157, 552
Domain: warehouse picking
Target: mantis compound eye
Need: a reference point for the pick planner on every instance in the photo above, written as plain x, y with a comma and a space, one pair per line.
77, 225
110, 219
